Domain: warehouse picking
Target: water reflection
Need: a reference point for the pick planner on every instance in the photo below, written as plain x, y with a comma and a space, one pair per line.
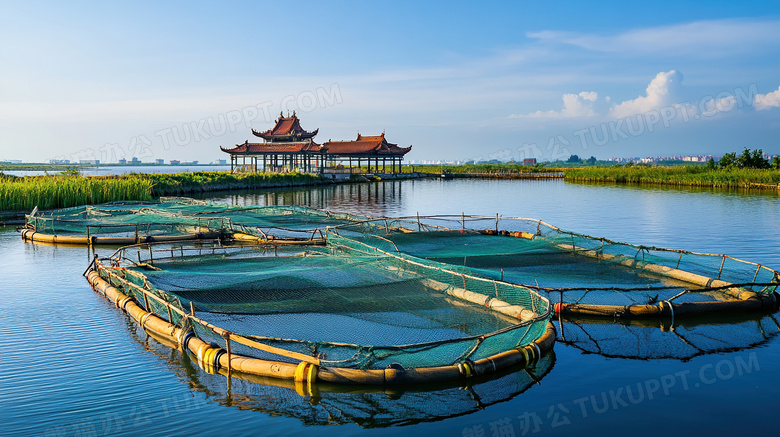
332, 404
683, 339
376, 199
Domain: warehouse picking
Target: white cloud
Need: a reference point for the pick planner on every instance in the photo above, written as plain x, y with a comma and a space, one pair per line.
574, 105
713, 38
660, 92
767, 101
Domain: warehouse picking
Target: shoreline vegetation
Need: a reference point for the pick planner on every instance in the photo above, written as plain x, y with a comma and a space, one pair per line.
69, 188
687, 176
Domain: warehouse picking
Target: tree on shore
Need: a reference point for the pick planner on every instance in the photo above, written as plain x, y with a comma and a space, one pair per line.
754, 159
747, 159
728, 160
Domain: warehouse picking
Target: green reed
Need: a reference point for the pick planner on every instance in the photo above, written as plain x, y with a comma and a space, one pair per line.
48, 192
693, 176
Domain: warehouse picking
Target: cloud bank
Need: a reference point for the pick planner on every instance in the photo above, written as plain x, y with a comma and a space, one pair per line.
767, 101
660, 92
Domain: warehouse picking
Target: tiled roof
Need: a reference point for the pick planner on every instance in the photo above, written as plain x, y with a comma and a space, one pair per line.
286, 127
365, 145
287, 147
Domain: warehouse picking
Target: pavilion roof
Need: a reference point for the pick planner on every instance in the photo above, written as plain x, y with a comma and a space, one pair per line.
365, 145
286, 128
248, 148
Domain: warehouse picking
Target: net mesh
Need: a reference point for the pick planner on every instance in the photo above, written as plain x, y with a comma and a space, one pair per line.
565, 266
346, 307
364, 406
182, 216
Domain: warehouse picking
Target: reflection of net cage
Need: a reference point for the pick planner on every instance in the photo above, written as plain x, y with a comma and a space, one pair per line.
335, 315
585, 275
176, 219
332, 404
645, 339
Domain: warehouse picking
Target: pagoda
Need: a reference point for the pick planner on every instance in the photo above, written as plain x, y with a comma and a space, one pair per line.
367, 148
286, 130
285, 147
288, 147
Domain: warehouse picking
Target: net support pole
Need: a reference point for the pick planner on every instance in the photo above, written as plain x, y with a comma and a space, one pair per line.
720, 271
758, 268
227, 346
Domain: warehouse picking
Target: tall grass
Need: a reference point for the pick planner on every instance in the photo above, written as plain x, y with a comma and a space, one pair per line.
47, 192
474, 168
692, 176
200, 181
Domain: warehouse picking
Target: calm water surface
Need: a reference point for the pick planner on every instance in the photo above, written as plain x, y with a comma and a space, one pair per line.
72, 364
124, 169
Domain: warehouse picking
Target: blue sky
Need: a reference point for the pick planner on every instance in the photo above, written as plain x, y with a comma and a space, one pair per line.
458, 81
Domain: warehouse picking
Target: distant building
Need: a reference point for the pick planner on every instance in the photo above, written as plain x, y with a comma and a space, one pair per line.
89, 161
529, 161
287, 147
174, 162
122, 161
135, 160
159, 161
220, 161
59, 161
12, 161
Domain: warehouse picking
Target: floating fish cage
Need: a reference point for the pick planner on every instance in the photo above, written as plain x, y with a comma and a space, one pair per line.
179, 219
325, 314
582, 275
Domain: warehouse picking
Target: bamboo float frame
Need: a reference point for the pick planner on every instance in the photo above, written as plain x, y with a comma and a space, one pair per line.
744, 300
308, 370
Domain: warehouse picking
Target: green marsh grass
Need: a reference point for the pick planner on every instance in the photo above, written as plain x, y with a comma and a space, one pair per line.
49, 192
692, 176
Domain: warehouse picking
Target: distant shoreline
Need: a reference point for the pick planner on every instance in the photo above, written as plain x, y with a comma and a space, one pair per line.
59, 167
19, 195
687, 176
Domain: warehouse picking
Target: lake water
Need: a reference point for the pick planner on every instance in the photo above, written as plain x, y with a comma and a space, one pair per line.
124, 169
71, 364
